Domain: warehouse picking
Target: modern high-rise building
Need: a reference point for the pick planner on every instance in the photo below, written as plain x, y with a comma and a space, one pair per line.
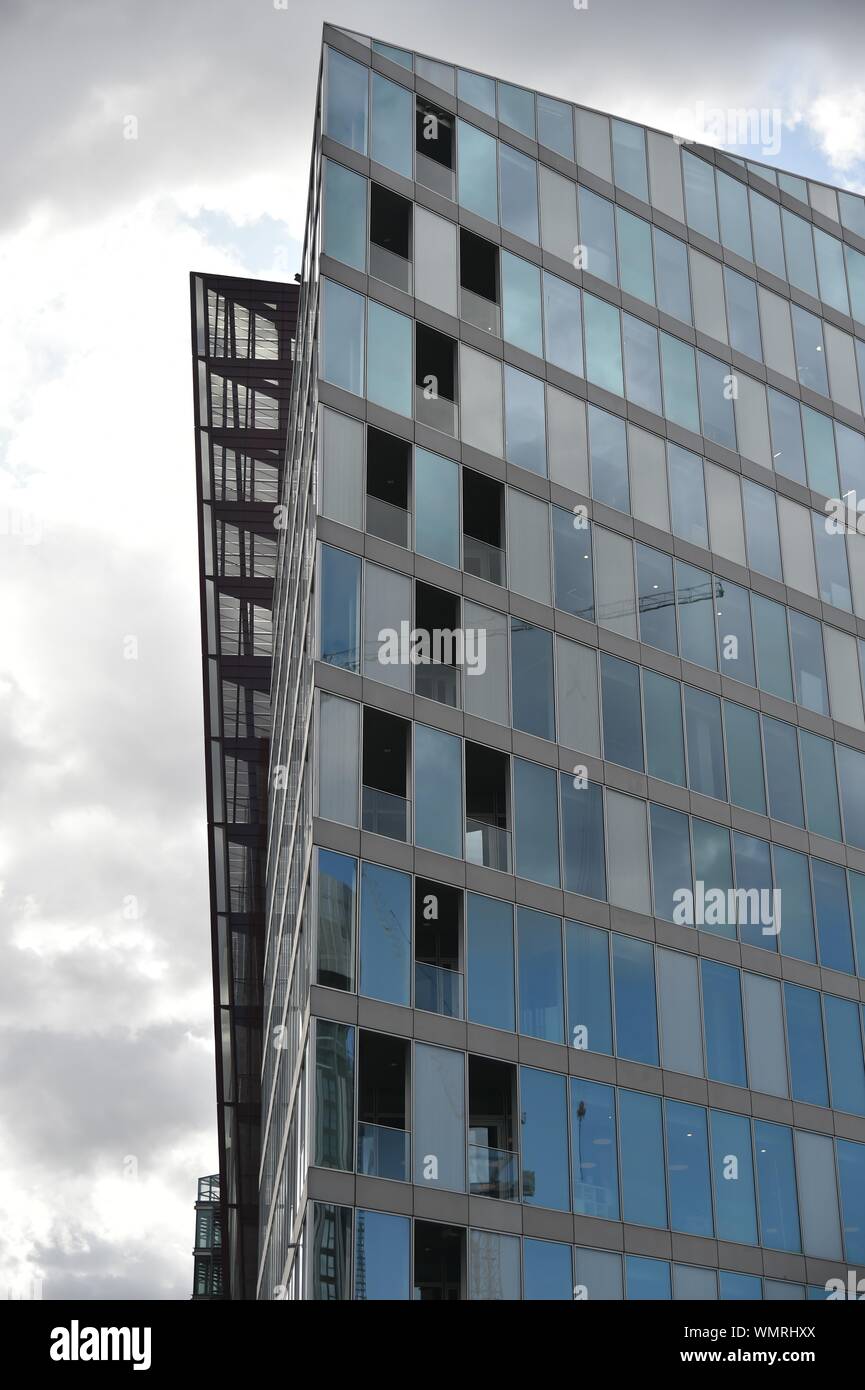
562, 968
207, 1280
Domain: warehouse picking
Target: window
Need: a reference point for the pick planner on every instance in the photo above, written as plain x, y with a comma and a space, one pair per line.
481, 393
636, 1012
733, 1169
820, 459
608, 451
435, 261
761, 529
768, 244
525, 430
742, 313
583, 838
521, 303
628, 866
385, 934
342, 468
342, 337
536, 822
517, 109
782, 771
808, 664
788, 455
439, 1118
830, 269
810, 352
391, 139
556, 126
754, 873
519, 193
734, 631
614, 569
483, 528
629, 159
385, 1241
597, 235
620, 699
642, 373
765, 1025
434, 153
577, 696
435, 379
588, 967
330, 1260
345, 117
687, 496
337, 907
700, 205
688, 1169
733, 215
540, 975
544, 1142
562, 324
832, 572
532, 677
679, 1011
477, 91
478, 181
572, 554
716, 404
339, 728
722, 1017
494, 1266
593, 1143
635, 256
656, 599
694, 599
558, 215
779, 1217
850, 775
388, 469
603, 345
671, 273
437, 524
794, 884
438, 791
529, 546
773, 647
385, 775
833, 916
671, 858
665, 750
805, 1042
801, 270
647, 1279
490, 962
705, 744
340, 608
386, 605
713, 866
642, 1149
485, 693
680, 383
818, 1195
334, 1095
851, 1177
547, 1269
344, 215
744, 757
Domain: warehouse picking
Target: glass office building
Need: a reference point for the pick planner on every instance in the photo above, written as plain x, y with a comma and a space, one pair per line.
564, 953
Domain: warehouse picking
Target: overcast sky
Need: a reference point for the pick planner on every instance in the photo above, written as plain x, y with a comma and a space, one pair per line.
106, 1065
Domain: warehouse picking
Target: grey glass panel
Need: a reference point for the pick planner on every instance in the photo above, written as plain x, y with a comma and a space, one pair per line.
593, 143
525, 429
851, 459
690, 1283
642, 372
386, 1244
680, 383
830, 270
808, 664
688, 1169
695, 605
437, 523
490, 962
478, 91
793, 882
665, 749
386, 605
558, 215
734, 631
536, 822
385, 934
851, 777
761, 529
396, 55
742, 313
768, 243
345, 118
818, 1196
532, 679
572, 547
679, 1011
629, 159
614, 572
648, 466
608, 452
342, 441
339, 728
844, 1043
832, 573
344, 215
857, 900
671, 859
597, 235
657, 603
687, 496
481, 411
733, 1169
435, 260
833, 916
642, 1148
635, 256
856, 278
636, 1011
517, 109
544, 1139
819, 450
724, 502
713, 867
556, 126
852, 209
389, 345
805, 1043
562, 324
334, 1095
705, 743
772, 644
392, 132
716, 404
521, 303
439, 1118
671, 274
577, 694
788, 455
777, 332
620, 700
733, 215
707, 287
439, 74
438, 791
744, 757
821, 792
627, 845
583, 838
722, 1015
752, 421
755, 906
700, 202
519, 193
541, 987
342, 337
782, 771
845, 692
800, 252
547, 1270
478, 180
767, 1063
665, 174
810, 352
593, 1143
779, 1217
529, 546
599, 1273
588, 968
485, 692
340, 608
603, 345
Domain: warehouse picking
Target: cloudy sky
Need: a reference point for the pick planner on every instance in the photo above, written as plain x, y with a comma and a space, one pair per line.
106, 1067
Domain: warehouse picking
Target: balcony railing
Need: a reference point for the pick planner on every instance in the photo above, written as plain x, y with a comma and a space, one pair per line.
388, 522
383, 1152
388, 266
436, 411
494, 1173
483, 560
438, 990
438, 682
488, 845
434, 175
386, 814
483, 313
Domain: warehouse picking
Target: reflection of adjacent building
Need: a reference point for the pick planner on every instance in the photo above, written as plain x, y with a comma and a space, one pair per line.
207, 1276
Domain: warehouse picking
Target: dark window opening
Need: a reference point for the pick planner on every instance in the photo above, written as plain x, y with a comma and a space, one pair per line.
385, 772
388, 466
479, 266
382, 1106
438, 612
434, 134
439, 1261
390, 237
437, 931
487, 838
493, 1162
483, 527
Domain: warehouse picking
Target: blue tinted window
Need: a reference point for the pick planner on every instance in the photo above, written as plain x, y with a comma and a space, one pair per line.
851, 1178
754, 875
734, 621
680, 383
809, 668
733, 1171
844, 1044
833, 916
629, 159
532, 679
385, 934
392, 126
646, 1279
821, 788
722, 1017
593, 1144
642, 1149
556, 126
665, 747
396, 55
345, 117
832, 573
386, 1242
779, 1213
716, 404
742, 314
671, 858
478, 183
583, 838
657, 605
437, 515
744, 757
620, 703
671, 272
603, 345
536, 822
688, 1169
438, 791
340, 608
390, 356
740, 1288
820, 459
344, 215
519, 193
788, 454
857, 899
851, 456
544, 1147
733, 215
635, 256
794, 884
705, 744
588, 964
768, 245
695, 603
687, 496
572, 559
773, 647
563, 324
761, 529
636, 1010
782, 771
810, 353
830, 270
713, 866
342, 337
540, 974
597, 235
801, 270
701, 209
547, 1270
521, 303
525, 427
642, 373
490, 962
478, 91
609, 457
517, 109
805, 1043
